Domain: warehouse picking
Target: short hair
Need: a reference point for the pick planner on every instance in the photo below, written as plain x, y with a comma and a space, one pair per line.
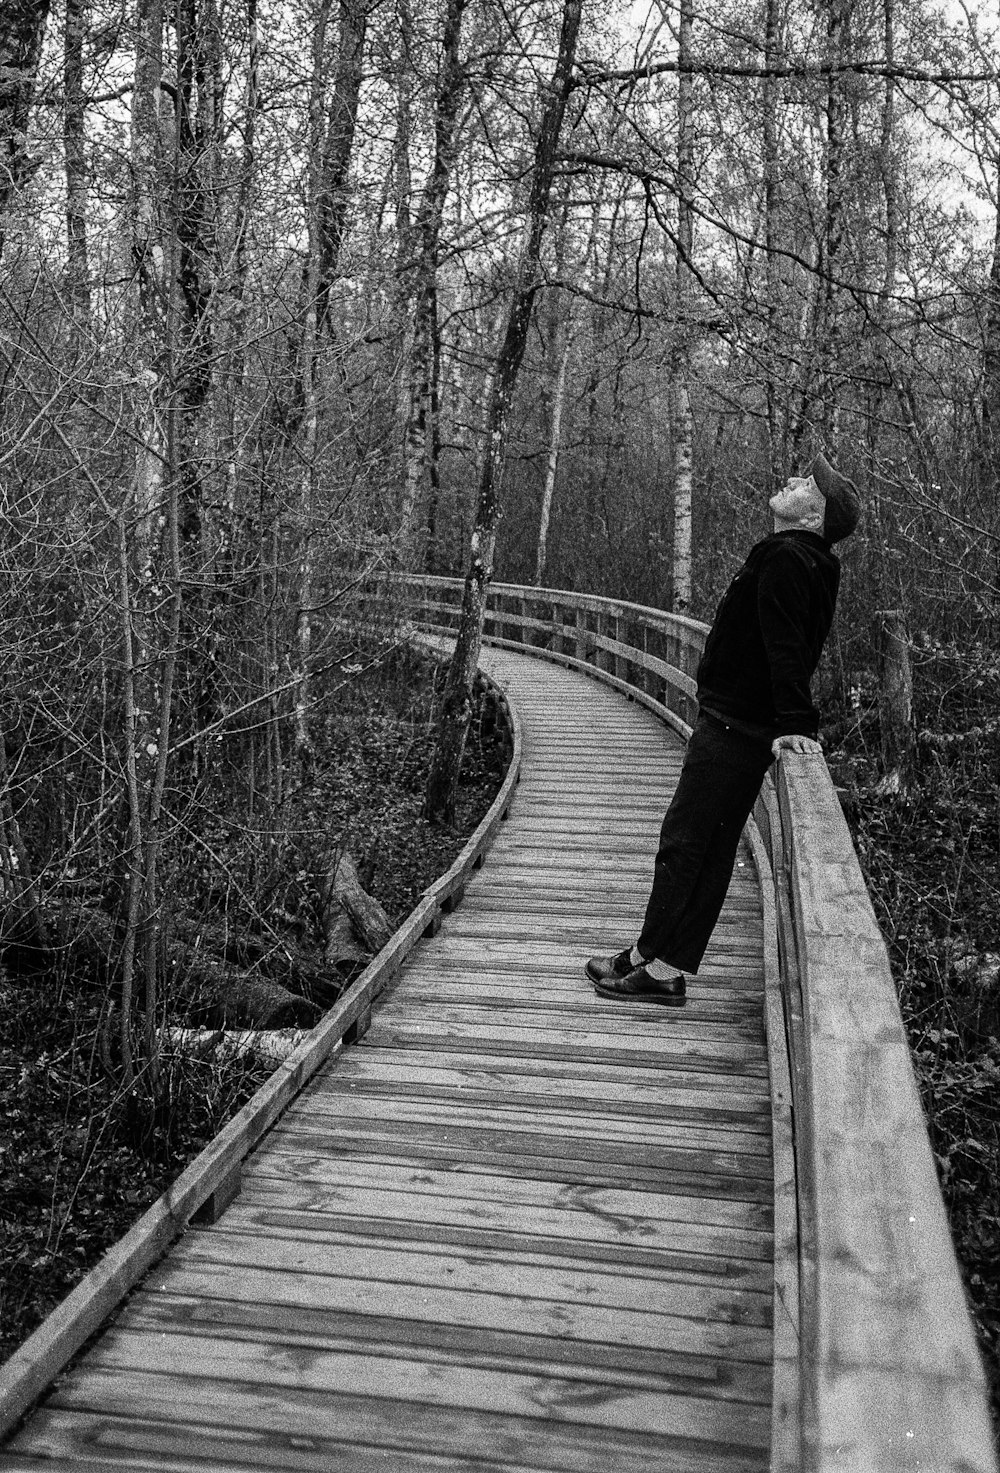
843, 500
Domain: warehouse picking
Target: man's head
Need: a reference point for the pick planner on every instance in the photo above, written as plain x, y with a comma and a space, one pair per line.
822, 501
843, 503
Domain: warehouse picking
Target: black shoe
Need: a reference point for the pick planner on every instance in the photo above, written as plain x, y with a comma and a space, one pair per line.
639, 986
601, 967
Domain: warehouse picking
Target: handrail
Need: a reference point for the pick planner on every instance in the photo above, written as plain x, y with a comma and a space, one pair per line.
582, 631
876, 1363
212, 1179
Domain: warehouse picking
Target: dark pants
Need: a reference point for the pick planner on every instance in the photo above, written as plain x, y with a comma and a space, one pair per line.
719, 782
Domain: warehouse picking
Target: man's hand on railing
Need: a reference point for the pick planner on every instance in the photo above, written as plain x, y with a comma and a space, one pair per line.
793, 742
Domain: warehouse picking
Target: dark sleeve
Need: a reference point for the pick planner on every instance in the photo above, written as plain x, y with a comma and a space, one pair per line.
785, 605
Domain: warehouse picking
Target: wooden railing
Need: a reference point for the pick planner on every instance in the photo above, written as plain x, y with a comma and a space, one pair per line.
876, 1365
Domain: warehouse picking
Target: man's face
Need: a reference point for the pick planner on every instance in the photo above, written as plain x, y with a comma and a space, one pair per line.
799, 500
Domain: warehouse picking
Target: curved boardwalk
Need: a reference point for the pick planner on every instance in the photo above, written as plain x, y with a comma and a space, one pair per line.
516, 1227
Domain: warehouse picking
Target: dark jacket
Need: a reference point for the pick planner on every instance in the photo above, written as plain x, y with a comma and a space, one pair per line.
767, 635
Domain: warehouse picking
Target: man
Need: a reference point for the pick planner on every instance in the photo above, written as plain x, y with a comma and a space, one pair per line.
753, 703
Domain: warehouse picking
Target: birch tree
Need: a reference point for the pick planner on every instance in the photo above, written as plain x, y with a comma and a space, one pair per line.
143, 592
683, 421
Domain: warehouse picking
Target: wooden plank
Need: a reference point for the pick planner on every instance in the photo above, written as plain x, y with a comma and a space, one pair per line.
717, 1332
429, 1076
640, 1022
714, 1377
179, 1447
324, 1174
527, 1148
582, 936
405, 1431
645, 1239
389, 1267
722, 979
604, 1401
693, 1176
499, 891
565, 1076
660, 1045
561, 998
363, 1237
568, 957
345, 1104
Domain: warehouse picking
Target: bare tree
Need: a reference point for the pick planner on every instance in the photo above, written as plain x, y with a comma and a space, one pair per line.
74, 146
143, 577
22, 31
421, 435
457, 706
683, 422
333, 196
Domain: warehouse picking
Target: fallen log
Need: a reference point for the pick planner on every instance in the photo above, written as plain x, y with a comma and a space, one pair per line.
346, 896
272, 955
216, 994
270, 1046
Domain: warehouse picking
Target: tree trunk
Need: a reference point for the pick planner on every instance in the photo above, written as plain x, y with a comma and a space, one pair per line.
825, 415
829, 416
270, 1046
772, 198
236, 325
141, 565
887, 161
552, 461
420, 435
212, 992
20, 912
895, 704
333, 195
199, 416
74, 145
683, 422
196, 144
22, 31
345, 894
304, 750
989, 450
457, 707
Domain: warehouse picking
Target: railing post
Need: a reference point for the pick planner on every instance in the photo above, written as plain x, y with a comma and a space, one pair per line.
620, 662
581, 629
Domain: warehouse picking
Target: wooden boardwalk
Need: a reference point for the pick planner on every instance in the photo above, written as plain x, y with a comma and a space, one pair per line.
517, 1227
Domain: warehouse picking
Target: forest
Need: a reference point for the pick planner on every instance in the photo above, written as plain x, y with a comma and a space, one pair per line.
298, 295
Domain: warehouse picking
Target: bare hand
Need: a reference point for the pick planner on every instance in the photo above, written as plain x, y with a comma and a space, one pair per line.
793, 742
